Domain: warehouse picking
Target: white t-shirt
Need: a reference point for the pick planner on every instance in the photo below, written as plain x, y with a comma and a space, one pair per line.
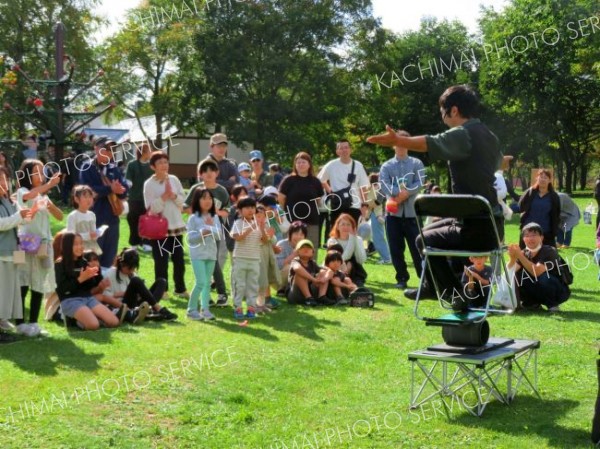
337, 173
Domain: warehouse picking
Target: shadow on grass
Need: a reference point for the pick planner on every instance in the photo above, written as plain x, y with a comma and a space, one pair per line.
296, 319
44, 355
531, 416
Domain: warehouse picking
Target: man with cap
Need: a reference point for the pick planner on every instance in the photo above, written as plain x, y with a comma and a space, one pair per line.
228, 174
261, 178
104, 177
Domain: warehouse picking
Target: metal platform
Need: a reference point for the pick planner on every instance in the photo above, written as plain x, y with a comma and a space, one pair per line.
452, 376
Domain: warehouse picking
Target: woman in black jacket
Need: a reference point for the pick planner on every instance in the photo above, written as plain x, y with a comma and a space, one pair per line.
541, 204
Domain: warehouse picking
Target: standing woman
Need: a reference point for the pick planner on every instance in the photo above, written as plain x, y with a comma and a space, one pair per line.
37, 273
163, 194
300, 194
11, 306
137, 173
541, 204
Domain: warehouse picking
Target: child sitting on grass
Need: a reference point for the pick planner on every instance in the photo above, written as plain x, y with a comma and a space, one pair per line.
75, 280
307, 280
340, 285
476, 280
131, 290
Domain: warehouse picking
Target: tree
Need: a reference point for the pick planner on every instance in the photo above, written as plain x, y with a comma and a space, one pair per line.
539, 73
143, 59
273, 73
27, 40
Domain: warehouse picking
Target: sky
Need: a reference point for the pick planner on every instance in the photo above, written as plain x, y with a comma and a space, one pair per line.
397, 15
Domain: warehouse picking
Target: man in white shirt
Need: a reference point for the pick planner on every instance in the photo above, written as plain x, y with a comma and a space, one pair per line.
344, 178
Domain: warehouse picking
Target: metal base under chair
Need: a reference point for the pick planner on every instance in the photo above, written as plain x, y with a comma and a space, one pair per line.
469, 381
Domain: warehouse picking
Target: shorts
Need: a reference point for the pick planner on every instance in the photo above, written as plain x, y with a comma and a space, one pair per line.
295, 295
70, 306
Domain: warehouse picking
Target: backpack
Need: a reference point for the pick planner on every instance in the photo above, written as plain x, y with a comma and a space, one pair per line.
566, 273
362, 297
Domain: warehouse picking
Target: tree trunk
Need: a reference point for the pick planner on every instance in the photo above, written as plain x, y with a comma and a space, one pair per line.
584, 173
568, 178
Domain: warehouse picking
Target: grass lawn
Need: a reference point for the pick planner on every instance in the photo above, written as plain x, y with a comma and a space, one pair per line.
296, 378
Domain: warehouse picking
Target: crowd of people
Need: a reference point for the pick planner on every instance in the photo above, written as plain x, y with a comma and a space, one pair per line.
270, 226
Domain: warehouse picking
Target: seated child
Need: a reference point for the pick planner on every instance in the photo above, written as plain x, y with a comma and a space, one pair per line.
75, 280
307, 280
476, 281
354, 254
340, 285
287, 252
126, 286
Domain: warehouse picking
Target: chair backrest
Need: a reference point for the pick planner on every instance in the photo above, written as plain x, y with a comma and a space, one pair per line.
453, 206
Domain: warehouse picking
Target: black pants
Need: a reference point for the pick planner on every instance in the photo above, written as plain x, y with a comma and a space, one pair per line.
400, 232
136, 210
34, 309
137, 292
218, 274
472, 235
324, 227
162, 250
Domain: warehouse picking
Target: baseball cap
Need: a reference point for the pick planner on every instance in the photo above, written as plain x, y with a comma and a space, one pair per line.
304, 242
104, 141
256, 154
244, 166
218, 138
270, 190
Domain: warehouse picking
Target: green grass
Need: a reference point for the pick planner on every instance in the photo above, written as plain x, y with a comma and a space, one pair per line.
295, 378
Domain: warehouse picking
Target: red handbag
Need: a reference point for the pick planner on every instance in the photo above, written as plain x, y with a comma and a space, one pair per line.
153, 226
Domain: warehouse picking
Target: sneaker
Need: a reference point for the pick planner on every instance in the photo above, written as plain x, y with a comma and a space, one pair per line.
272, 303
166, 314
146, 248
384, 262
325, 301
426, 293
34, 329
141, 312
122, 313
165, 296
341, 301
206, 315
6, 325
401, 285
262, 309
222, 300
211, 302
251, 313
238, 314
194, 315
184, 295
311, 302
25, 329
554, 309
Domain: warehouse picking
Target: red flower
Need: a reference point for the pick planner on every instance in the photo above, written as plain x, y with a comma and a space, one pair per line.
38, 103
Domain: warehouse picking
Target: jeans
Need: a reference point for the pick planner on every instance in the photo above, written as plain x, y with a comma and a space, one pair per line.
378, 238
202, 271
564, 238
402, 231
109, 243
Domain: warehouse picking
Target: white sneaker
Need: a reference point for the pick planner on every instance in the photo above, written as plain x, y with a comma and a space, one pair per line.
27, 330
195, 315
35, 329
554, 309
206, 315
145, 248
6, 325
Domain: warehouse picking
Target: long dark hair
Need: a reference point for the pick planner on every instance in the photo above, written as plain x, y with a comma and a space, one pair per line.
128, 257
68, 241
198, 194
27, 169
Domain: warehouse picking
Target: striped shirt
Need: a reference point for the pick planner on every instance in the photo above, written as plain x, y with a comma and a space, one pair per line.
250, 246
